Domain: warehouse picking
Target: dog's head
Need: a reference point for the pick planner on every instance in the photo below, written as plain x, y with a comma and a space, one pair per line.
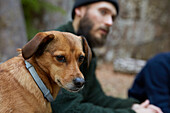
59, 54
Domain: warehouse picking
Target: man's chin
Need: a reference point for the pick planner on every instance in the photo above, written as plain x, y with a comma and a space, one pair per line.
98, 44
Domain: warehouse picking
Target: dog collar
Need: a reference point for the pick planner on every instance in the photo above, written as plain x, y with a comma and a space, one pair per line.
39, 82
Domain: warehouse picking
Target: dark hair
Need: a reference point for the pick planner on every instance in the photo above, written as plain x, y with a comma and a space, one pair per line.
79, 3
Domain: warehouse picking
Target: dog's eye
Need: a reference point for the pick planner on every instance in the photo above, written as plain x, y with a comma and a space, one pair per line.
81, 58
61, 58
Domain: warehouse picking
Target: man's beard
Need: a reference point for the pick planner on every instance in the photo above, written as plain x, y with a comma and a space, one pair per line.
84, 29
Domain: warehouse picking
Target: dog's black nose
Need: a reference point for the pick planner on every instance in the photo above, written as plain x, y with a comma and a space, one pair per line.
79, 82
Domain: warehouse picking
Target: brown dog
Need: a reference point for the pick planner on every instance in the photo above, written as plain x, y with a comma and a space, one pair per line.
56, 57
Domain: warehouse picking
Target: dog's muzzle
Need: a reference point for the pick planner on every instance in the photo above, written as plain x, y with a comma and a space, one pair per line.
78, 84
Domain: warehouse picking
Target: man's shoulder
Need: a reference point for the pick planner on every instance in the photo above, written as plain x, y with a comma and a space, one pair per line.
161, 57
66, 28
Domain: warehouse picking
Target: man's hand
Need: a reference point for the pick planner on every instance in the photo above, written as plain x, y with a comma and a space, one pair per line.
145, 107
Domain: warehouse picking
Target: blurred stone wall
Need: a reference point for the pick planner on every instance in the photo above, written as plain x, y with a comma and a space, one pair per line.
53, 19
12, 29
141, 30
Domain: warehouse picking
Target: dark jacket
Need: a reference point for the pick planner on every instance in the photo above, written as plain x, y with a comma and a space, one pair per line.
153, 82
91, 99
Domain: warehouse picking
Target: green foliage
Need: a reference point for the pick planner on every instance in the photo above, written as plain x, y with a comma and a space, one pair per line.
34, 10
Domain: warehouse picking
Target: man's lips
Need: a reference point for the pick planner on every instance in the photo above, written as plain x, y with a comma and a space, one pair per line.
104, 30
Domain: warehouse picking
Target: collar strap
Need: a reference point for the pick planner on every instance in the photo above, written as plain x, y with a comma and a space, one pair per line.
39, 82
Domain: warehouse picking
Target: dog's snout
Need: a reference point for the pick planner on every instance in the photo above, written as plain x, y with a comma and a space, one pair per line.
79, 82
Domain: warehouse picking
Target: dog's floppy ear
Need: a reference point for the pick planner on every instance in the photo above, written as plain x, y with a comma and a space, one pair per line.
40, 40
87, 50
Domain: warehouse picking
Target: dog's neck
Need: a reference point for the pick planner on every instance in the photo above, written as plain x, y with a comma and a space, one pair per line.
45, 77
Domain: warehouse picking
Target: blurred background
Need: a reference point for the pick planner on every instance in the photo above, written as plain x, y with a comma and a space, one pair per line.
141, 30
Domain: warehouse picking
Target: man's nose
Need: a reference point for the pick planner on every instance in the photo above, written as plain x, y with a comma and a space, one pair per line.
109, 21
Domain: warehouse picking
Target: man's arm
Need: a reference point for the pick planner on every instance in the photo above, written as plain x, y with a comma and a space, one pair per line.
153, 83
68, 102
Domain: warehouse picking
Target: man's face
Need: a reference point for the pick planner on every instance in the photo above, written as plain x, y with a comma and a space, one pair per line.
96, 21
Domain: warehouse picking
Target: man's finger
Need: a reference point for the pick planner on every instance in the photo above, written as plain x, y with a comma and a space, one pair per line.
155, 108
145, 104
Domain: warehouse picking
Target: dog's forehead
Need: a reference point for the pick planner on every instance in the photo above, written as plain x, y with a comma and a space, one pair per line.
68, 38
64, 40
